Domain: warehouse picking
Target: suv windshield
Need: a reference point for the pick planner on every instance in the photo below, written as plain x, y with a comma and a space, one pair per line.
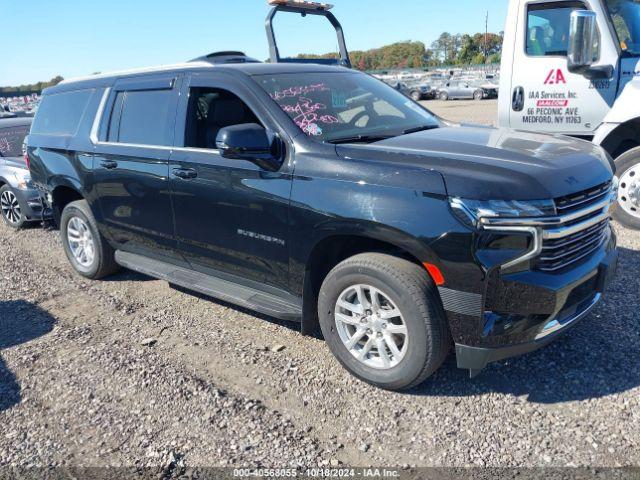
343, 107
626, 18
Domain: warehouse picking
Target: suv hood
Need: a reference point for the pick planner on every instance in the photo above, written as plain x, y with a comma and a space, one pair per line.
497, 164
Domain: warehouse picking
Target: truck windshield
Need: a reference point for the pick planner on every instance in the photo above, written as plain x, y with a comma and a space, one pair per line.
344, 107
626, 18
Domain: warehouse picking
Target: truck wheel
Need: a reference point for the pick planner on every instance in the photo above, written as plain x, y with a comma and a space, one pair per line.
444, 96
11, 210
478, 95
383, 320
87, 250
628, 168
416, 96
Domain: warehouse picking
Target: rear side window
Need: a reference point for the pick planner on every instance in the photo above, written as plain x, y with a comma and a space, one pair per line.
141, 117
61, 113
11, 140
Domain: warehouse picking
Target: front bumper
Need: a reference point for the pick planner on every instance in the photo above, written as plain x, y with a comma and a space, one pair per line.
521, 334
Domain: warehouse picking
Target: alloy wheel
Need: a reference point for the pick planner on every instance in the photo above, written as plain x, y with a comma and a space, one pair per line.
629, 191
371, 327
81, 241
10, 207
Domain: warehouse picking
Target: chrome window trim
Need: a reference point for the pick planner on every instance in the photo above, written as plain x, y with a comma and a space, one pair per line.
96, 120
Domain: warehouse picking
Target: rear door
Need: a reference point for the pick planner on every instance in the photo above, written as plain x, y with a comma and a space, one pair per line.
131, 165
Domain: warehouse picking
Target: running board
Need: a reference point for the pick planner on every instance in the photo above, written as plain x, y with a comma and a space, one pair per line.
289, 309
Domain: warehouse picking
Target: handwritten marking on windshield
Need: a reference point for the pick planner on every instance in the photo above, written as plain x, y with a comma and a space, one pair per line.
305, 111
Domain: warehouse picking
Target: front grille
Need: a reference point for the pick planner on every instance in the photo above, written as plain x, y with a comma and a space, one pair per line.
581, 200
567, 243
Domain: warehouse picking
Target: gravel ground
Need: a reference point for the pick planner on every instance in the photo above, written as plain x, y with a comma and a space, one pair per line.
466, 111
129, 372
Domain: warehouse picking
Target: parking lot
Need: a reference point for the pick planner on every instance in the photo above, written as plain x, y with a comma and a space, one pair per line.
129, 371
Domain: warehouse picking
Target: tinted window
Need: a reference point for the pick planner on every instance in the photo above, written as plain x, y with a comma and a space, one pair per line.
210, 110
116, 112
145, 117
60, 113
11, 140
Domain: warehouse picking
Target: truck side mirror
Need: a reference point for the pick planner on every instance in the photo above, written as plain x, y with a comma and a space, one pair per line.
582, 38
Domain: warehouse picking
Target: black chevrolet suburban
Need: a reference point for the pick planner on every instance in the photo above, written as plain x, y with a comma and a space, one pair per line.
320, 195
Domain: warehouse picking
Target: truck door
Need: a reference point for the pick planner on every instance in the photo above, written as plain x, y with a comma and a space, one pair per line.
545, 96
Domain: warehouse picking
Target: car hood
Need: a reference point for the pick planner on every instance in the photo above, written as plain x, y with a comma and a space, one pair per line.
489, 163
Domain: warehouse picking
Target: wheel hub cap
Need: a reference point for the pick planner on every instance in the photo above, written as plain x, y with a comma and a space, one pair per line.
629, 191
371, 327
10, 207
81, 242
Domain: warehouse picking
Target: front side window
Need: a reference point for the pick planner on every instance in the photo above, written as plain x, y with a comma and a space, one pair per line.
331, 107
210, 110
626, 19
141, 117
548, 28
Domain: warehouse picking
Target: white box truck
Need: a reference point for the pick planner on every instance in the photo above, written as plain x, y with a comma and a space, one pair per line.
573, 68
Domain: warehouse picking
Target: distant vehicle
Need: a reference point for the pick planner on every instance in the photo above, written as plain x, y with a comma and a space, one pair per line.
416, 92
454, 90
19, 201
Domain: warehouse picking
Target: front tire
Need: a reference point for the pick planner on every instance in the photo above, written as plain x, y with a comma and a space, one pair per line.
11, 208
444, 96
478, 95
628, 168
383, 320
86, 249
416, 96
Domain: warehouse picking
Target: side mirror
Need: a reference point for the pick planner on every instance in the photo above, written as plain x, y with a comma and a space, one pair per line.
251, 142
582, 38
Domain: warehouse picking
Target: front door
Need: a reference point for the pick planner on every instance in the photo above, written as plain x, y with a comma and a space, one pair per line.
131, 166
231, 216
545, 96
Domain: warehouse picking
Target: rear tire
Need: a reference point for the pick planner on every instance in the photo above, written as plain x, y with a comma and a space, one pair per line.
416, 96
87, 250
444, 96
406, 300
478, 95
11, 208
628, 169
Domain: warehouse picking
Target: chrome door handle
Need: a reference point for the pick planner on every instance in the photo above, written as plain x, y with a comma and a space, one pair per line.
109, 164
185, 173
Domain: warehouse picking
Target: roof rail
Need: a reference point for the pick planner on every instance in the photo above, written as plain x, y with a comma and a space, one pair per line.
305, 8
226, 57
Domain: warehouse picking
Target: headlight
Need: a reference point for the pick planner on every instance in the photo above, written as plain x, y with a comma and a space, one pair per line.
470, 212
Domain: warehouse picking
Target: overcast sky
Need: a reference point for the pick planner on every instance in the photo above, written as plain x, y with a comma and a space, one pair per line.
45, 38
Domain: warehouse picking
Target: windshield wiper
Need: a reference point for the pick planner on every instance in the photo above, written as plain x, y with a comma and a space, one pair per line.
360, 139
421, 128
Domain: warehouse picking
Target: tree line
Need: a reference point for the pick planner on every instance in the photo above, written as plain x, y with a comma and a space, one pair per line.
29, 88
448, 49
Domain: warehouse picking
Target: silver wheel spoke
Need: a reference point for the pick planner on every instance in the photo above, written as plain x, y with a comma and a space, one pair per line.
357, 309
356, 338
365, 350
391, 343
362, 298
348, 320
397, 329
384, 355
389, 314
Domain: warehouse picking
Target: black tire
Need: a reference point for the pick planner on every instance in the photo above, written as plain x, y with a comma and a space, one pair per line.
12, 212
444, 96
103, 263
411, 290
625, 164
478, 95
416, 96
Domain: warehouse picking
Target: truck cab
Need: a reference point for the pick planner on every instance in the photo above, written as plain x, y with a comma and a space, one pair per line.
573, 68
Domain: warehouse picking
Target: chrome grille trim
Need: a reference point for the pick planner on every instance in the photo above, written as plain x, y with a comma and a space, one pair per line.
565, 239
